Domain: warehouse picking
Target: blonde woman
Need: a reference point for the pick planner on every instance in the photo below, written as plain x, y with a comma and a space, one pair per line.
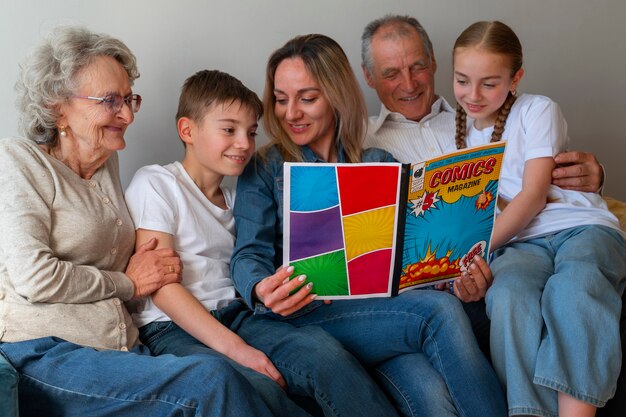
314, 112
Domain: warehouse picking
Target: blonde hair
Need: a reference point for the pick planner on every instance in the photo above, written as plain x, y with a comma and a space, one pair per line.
498, 38
327, 63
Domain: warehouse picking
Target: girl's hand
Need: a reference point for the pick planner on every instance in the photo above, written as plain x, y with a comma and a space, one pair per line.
274, 291
473, 286
252, 358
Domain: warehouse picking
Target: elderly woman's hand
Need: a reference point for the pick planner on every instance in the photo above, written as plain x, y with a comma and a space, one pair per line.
150, 268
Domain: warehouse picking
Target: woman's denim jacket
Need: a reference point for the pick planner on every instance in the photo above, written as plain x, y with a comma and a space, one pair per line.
258, 215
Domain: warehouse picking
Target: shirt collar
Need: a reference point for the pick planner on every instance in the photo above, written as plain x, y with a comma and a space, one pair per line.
309, 156
440, 105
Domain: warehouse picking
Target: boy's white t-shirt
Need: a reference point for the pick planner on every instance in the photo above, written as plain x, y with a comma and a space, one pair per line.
165, 199
536, 128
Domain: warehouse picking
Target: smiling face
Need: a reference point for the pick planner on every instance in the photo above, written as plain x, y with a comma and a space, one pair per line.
302, 108
482, 82
221, 143
93, 132
403, 74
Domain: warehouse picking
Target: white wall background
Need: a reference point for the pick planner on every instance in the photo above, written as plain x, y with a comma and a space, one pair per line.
574, 52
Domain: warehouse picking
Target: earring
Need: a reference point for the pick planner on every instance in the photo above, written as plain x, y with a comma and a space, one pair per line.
514, 92
62, 131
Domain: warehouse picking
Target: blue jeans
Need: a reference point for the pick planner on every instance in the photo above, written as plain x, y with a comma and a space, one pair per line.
427, 397
392, 374
376, 330
554, 307
8, 389
312, 362
59, 378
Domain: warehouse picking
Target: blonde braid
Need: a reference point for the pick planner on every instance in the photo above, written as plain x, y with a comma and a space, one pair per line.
503, 114
461, 127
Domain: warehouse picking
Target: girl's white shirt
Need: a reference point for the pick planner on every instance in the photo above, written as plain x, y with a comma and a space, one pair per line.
536, 128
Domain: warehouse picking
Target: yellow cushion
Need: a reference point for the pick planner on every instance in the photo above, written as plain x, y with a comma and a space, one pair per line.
619, 209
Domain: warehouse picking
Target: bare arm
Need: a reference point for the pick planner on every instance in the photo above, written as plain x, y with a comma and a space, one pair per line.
187, 312
526, 204
579, 171
519, 212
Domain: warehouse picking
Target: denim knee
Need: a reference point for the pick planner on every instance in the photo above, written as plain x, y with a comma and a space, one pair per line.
400, 378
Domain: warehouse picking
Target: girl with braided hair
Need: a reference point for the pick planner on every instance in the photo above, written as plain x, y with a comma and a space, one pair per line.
560, 259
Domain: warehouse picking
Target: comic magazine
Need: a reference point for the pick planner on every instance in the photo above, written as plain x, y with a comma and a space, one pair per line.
376, 229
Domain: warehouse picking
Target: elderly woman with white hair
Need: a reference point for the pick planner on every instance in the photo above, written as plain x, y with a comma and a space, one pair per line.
65, 251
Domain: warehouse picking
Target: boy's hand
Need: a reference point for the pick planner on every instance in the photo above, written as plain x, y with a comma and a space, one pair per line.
579, 171
274, 291
252, 358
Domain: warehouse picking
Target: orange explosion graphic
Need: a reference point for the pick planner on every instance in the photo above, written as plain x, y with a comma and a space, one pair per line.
483, 199
429, 269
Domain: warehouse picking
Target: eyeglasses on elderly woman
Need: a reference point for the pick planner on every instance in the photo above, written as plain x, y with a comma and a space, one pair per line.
114, 102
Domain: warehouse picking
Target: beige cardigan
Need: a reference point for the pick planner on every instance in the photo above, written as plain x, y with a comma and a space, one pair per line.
63, 244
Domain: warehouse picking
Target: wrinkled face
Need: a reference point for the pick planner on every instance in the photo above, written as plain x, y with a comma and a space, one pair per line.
96, 132
222, 142
302, 108
403, 74
482, 81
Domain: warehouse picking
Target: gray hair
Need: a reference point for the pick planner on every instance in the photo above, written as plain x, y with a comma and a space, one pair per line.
47, 76
401, 27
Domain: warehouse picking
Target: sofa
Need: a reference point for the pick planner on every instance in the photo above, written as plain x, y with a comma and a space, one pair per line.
615, 408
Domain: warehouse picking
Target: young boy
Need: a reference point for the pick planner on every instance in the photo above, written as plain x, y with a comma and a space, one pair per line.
184, 206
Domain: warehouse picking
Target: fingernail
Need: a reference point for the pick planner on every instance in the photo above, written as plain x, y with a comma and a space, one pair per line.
290, 269
476, 257
309, 285
313, 296
301, 278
